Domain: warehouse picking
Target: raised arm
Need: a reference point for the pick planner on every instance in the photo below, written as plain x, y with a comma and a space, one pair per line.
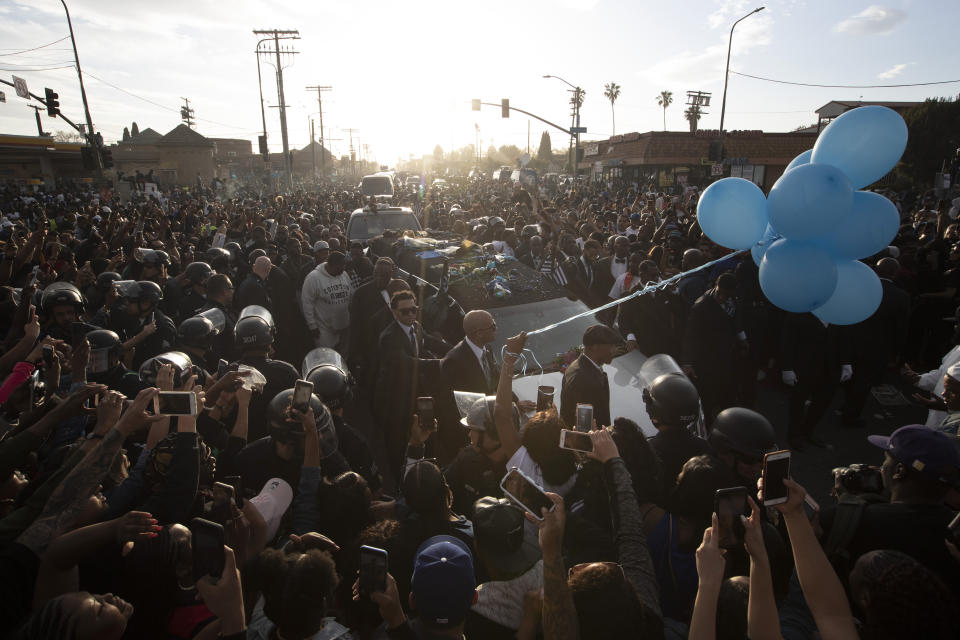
503, 411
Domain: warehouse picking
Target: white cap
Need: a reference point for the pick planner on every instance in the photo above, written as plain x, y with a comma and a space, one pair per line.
320, 244
272, 502
954, 371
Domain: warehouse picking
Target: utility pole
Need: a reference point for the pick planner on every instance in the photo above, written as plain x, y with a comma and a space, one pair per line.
276, 35
313, 148
323, 162
83, 92
36, 112
186, 113
353, 155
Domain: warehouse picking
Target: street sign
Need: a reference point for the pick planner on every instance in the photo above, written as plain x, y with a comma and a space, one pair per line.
578, 129
21, 86
716, 170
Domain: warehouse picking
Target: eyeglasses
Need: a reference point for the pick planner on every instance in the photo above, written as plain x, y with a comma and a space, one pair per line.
408, 311
492, 327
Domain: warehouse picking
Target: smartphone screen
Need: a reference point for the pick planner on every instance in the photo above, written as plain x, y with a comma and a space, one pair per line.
776, 469
93, 401
729, 505
222, 367
207, 546
176, 403
544, 397
373, 570
47, 355
522, 490
235, 482
301, 395
425, 412
575, 441
584, 417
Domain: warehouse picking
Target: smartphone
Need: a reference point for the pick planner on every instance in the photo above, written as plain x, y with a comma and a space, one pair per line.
954, 528
47, 355
373, 570
544, 397
93, 401
33, 277
222, 367
575, 441
776, 469
584, 417
175, 403
302, 392
425, 412
235, 482
524, 491
78, 331
207, 544
811, 508
729, 505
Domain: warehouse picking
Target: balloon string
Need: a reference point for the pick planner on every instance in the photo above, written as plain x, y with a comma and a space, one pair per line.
640, 292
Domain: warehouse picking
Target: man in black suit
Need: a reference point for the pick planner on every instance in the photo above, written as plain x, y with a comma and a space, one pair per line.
585, 274
407, 370
715, 348
253, 290
607, 270
649, 322
815, 359
366, 302
584, 381
878, 341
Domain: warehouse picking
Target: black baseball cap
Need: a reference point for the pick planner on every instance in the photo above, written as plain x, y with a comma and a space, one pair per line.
499, 528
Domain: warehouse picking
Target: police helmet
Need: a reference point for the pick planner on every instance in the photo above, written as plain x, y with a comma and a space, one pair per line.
742, 431
233, 248
105, 349
252, 332
672, 400
216, 253
196, 332
145, 291
152, 257
182, 367
256, 253
198, 272
332, 385
61, 294
106, 279
480, 417
281, 424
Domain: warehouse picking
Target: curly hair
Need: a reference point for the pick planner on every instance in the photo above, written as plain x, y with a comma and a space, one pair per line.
608, 607
541, 437
297, 589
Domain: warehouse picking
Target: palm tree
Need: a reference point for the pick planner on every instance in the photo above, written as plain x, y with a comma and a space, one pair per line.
692, 116
665, 99
577, 98
611, 92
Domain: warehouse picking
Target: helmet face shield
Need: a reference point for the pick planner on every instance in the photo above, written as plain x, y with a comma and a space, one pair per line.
99, 361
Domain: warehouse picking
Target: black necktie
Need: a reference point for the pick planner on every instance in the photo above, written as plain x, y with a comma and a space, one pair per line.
413, 339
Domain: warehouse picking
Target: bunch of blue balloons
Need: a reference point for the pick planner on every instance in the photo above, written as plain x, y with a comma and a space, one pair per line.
809, 233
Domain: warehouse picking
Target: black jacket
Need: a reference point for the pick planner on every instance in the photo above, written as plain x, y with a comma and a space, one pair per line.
462, 371
711, 337
253, 290
280, 376
810, 349
584, 382
402, 375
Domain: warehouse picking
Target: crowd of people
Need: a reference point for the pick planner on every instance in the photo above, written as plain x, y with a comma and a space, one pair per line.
162, 475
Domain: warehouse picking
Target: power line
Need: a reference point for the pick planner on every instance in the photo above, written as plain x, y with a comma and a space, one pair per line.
35, 48
157, 104
21, 69
845, 86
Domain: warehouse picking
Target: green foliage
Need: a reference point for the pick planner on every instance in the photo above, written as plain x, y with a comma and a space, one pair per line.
934, 135
545, 151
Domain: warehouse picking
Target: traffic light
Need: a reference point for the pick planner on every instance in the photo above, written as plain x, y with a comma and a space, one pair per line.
505, 108
52, 98
88, 159
262, 140
716, 153
107, 157
475, 104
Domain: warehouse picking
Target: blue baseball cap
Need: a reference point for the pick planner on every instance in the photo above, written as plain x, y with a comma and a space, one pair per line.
922, 449
443, 583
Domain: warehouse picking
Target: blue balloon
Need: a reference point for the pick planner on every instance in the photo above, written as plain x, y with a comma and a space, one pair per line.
733, 213
797, 276
856, 297
809, 201
760, 248
803, 158
873, 222
865, 143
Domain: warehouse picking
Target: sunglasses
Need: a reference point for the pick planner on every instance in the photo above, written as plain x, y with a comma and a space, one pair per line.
409, 311
577, 568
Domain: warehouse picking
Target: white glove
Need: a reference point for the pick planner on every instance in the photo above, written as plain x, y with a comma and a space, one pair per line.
789, 378
846, 372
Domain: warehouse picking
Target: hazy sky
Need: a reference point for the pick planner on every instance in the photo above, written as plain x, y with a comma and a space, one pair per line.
403, 73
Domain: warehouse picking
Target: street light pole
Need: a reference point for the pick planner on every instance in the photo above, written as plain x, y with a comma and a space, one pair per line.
574, 137
726, 74
83, 92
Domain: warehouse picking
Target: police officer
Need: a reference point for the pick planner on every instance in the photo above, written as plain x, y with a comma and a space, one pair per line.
62, 304
220, 297
254, 335
196, 337
220, 260
99, 292
334, 386
739, 439
195, 289
478, 467
105, 367
140, 323
280, 453
673, 404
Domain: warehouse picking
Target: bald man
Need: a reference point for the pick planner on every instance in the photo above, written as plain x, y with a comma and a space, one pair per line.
253, 290
470, 365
